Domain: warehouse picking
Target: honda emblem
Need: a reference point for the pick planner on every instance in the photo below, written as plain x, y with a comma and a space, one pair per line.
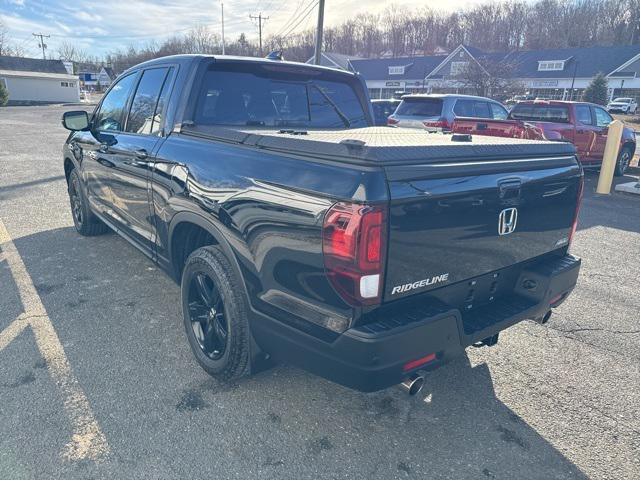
507, 221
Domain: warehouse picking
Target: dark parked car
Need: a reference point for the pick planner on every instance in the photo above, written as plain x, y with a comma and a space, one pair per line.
459, 114
298, 232
382, 109
585, 125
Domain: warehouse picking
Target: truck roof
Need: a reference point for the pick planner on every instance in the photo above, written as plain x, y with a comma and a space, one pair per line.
184, 59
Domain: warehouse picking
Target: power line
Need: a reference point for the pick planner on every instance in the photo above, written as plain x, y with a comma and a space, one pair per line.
291, 19
290, 31
261, 20
42, 44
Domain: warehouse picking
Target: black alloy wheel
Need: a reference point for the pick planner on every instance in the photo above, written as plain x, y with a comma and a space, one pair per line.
206, 312
76, 201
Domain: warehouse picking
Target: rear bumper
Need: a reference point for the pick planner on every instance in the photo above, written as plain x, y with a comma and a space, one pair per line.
372, 357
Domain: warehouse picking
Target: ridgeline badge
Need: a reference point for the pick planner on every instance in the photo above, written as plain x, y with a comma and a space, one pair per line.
420, 283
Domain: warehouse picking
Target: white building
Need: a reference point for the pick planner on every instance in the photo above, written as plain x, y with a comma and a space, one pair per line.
35, 81
551, 74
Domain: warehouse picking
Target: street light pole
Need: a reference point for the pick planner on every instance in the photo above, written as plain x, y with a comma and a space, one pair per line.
573, 80
318, 51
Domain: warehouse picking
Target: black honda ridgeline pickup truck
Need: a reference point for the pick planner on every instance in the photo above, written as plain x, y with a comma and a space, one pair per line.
300, 233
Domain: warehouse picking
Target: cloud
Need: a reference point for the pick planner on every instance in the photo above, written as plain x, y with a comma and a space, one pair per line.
116, 24
87, 17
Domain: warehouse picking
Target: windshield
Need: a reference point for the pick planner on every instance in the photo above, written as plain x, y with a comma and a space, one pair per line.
266, 96
622, 100
422, 107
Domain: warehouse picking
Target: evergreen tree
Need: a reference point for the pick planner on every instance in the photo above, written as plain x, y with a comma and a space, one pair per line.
4, 95
597, 91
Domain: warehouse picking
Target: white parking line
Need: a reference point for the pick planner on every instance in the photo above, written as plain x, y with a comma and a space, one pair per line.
88, 441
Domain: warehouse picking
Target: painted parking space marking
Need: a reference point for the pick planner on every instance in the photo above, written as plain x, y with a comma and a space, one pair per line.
87, 441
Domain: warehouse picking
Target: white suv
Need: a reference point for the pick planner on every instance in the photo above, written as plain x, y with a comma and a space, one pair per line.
623, 104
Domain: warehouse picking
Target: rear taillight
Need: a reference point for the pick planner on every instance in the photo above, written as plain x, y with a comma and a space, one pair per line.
392, 121
574, 225
354, 239
440, 123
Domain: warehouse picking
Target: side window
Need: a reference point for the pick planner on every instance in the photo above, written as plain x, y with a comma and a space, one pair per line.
112, 111
482, 110
498, 112
583, 114
463, 108
603, 119
145, 100
473, 109
158, 118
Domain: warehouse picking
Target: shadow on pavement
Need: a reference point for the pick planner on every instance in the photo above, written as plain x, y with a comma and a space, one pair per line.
119, 319
617, 210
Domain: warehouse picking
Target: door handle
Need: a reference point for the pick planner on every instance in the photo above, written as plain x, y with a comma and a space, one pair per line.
141, 154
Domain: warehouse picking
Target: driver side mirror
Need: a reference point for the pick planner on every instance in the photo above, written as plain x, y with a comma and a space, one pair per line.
75, 121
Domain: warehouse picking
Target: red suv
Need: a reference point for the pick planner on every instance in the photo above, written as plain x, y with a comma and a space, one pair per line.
584, 124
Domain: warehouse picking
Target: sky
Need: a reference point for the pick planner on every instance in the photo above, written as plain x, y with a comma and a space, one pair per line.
101, 26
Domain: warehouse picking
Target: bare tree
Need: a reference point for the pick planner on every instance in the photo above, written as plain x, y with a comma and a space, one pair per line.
4, 38
490, 78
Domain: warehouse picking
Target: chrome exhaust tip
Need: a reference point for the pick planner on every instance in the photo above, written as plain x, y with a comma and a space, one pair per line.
413, 384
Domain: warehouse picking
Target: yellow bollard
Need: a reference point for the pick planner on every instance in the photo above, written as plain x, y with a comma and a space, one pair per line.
611, 150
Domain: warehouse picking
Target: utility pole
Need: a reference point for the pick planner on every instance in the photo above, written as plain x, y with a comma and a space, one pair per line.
260, 20
573, 80
42, 45
222, 7
319, 32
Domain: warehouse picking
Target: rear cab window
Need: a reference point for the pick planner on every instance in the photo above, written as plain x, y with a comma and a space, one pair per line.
250, 94
420, 107
540, 113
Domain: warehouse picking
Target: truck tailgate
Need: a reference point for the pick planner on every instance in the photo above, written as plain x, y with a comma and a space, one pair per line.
451, 222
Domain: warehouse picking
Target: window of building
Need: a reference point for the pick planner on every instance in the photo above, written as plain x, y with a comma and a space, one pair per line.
64, 84
458, 68
551, 65
399, 70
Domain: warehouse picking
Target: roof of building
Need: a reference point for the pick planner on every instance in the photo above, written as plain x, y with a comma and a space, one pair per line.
22, 64
334, 60
109, 72
587, 62
415, 68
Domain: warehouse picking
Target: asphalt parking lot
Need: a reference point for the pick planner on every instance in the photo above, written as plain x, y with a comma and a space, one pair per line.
97, 380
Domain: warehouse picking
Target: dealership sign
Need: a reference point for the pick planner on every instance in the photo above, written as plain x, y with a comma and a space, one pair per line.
544, 83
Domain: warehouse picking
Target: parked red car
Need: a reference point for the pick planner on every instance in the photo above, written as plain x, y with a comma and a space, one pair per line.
583, 124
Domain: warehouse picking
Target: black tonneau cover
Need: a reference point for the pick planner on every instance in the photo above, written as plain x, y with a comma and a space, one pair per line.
382, 145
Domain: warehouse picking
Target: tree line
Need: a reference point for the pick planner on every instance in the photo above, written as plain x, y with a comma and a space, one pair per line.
493, 26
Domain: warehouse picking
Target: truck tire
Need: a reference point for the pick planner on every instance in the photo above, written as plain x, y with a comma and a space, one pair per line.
215, 314
624, 159
85, 221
